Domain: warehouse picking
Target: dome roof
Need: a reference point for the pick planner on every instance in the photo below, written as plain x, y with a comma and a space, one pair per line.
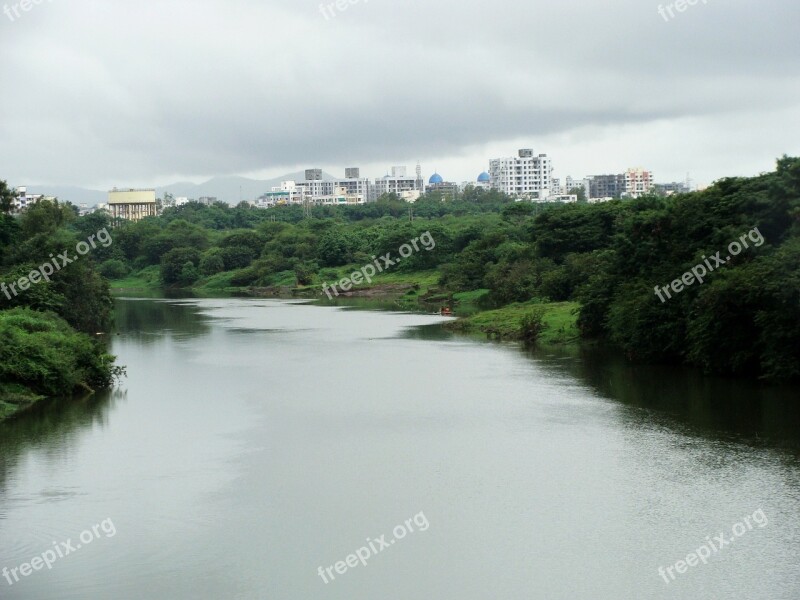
435, 178
484, 178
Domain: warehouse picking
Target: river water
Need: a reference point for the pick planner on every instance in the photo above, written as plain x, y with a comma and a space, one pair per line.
255, 441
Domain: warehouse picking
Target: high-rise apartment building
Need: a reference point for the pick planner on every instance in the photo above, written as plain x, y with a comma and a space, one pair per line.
638, 182
526, 174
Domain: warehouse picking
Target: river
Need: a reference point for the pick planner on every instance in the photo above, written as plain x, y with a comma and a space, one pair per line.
262, 448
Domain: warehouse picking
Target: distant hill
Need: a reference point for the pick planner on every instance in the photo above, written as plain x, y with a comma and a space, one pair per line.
72, 194
226, 189
230, 189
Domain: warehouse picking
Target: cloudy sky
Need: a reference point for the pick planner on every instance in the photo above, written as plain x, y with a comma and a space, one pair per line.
103, 93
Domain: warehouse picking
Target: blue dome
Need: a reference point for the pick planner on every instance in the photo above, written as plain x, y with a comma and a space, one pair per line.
435, 178
484, 178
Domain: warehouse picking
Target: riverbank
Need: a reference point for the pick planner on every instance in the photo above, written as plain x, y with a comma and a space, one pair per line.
44, 357
414, 292
558, 322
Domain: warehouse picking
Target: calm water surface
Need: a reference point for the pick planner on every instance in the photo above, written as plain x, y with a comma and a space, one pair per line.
255, 441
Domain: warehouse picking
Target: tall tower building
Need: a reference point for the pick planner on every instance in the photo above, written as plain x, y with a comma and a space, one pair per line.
526, 174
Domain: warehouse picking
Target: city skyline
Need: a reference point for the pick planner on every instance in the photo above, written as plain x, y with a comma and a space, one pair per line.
93, 112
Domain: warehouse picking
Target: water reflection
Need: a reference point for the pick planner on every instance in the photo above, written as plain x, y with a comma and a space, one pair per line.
146, 320
51, 427
739, 410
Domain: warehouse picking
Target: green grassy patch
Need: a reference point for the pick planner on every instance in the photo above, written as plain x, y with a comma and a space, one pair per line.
148, 278
560, 322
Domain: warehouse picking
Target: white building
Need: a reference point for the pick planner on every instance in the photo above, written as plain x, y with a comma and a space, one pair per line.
353, 183
24, 200
400, 183
288, 193
524, 175
340, 197
568, 198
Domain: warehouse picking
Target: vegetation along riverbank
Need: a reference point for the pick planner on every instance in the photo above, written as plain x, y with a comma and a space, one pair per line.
538, 273
519, 270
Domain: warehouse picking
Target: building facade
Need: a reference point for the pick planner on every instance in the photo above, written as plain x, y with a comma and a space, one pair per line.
23, 200
437, 185
606, 186
132, 205
638, 182
527, 174
398, 182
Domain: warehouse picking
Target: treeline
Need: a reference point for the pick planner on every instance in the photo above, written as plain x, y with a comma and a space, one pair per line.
48, 345
744, 320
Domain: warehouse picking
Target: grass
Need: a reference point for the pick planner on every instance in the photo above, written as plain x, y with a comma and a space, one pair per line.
560, 321
146, 279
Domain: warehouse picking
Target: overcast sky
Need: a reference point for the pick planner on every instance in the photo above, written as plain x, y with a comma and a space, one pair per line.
104, 93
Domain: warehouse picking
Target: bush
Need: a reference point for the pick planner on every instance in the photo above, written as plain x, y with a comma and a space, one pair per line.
174, 262
114, 269
532, 325
212, 263
40, 352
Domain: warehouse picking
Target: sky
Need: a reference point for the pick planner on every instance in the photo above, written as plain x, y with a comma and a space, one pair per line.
133, 94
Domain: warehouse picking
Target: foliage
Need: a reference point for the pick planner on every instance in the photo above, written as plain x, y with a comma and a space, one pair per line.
744, 320
42, 353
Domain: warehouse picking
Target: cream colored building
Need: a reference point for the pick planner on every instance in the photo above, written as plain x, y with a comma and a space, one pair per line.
132, 205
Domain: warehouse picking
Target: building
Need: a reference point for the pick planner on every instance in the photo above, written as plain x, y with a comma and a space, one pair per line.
313, 174
354, 184
318, 192
567, 198
676, 187
340, 197
437, 185
526, 174
398, 183
638, 182
23, 200
132, 205
315, 186
605, 186
288, 193
633, 183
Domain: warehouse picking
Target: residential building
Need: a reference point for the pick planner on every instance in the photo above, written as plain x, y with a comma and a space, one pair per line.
397, 183
606, 186
23, 200
131, 204
289, 192
354, 184
638, 182
340, 197
525, 175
